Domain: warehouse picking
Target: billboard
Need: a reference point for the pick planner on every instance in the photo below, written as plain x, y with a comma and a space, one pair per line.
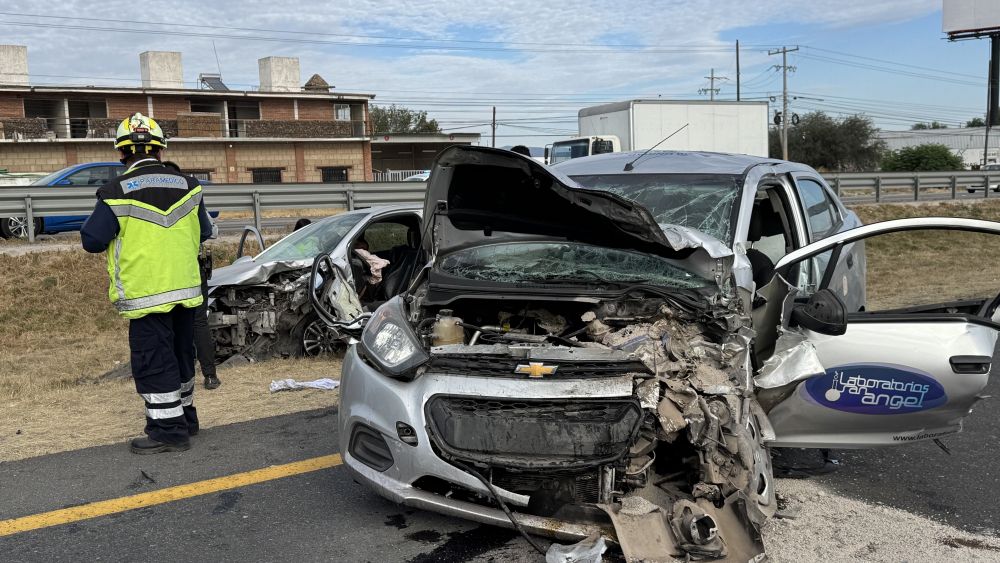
970, 16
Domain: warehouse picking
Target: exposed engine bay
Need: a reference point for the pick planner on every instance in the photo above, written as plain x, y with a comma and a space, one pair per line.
271, 319
678, 468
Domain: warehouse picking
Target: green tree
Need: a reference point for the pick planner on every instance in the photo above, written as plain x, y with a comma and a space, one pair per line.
976, 122
850, 144
932, 125
920, 158
397, 119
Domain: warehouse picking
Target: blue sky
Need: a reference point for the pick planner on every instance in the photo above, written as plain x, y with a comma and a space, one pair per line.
543, 62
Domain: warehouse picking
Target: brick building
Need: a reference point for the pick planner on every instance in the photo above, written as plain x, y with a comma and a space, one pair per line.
280, 132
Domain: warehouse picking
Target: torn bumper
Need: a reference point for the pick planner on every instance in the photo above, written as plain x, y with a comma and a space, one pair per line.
408, 495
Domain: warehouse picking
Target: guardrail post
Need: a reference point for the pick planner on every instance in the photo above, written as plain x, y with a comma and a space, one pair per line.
986, 186
836, 186
350, 198
256, 209
878, 189
916, 187
954, 187
29, 217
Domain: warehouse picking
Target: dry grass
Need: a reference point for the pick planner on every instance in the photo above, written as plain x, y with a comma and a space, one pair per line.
925, 267
110, 411
311, 212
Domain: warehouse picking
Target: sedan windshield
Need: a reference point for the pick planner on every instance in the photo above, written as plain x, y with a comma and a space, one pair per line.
307, 242
559, 262
703, 202
51, 178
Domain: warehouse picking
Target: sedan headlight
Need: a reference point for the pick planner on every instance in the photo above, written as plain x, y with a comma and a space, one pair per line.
389, 342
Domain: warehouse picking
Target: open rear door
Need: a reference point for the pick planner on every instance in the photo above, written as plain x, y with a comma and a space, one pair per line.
891, 377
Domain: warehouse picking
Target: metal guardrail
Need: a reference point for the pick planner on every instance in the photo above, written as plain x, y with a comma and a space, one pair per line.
910, 186
41, 201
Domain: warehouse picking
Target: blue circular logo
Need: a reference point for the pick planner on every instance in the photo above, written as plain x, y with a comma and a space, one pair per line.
876, 389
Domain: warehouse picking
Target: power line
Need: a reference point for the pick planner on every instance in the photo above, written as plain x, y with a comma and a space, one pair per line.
890, 70
924, 68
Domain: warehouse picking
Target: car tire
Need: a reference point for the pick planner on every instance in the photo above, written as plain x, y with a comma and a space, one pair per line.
970, 190
316, 339
16, 227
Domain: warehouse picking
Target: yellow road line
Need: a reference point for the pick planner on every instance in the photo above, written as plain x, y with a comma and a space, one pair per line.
161, 496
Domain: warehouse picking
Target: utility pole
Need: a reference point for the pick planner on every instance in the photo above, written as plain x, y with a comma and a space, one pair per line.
784, 95
494, 127
712, 90
737, 70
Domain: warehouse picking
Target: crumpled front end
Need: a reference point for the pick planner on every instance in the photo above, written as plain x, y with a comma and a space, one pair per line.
640, 424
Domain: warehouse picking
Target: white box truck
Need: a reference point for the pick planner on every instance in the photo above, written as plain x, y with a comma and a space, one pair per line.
716, 126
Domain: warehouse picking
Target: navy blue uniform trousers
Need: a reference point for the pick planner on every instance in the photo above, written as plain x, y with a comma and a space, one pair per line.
162, 347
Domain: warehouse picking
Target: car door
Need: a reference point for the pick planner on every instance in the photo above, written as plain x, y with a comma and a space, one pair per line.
891, 377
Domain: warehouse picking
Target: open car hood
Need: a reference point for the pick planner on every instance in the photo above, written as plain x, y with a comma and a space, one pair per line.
480, 195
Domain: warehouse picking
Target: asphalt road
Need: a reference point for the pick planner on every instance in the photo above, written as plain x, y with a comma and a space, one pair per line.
324, 515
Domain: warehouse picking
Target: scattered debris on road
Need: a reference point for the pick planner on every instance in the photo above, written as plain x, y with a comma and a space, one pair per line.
325, 384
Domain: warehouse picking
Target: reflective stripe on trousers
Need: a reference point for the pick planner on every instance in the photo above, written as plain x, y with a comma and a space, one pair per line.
164, 405
187, 393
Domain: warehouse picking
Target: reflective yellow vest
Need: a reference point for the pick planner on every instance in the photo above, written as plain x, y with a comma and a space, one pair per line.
153, 262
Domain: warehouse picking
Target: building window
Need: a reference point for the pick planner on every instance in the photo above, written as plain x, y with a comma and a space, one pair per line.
203, 175
265, 175
342, 112
333, 174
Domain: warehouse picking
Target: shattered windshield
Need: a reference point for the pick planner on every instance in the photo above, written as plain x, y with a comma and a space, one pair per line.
561, 262
703, 202
307, 242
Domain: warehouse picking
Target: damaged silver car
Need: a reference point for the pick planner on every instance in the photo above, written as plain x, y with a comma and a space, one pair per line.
262, 306
611, 346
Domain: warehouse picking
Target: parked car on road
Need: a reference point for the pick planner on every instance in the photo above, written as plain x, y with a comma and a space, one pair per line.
261, 307
88, 175
93, 174
613, 344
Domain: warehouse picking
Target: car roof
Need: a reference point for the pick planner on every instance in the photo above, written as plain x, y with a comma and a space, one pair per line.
668, 162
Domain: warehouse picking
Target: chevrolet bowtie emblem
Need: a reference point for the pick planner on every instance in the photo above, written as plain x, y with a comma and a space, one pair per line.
535, 370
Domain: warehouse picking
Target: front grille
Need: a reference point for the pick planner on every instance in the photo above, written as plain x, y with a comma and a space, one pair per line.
504, 366
535, 434
539, 410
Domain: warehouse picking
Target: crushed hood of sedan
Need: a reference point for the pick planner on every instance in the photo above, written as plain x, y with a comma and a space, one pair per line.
477, 192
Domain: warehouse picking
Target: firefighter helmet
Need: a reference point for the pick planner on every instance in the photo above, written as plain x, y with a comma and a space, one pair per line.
139, 130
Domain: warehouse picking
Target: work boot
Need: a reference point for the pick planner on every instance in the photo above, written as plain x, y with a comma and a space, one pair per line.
211, 382
192, 430
146, 445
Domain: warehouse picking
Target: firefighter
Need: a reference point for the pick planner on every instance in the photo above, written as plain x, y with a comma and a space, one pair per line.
151, 221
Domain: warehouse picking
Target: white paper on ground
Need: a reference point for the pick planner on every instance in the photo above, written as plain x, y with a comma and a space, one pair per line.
290, 384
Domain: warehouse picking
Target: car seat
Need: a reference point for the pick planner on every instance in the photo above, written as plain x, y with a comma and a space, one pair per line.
763, 222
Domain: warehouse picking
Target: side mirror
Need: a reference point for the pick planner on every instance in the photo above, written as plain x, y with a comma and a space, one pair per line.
64, 182
825, 313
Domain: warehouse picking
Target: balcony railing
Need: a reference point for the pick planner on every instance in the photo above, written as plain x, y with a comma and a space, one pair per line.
185, 126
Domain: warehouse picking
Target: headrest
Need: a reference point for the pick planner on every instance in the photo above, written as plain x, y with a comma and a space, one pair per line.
764, 221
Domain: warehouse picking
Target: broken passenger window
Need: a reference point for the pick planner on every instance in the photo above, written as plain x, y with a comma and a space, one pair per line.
703, 202
307, 242
548, 262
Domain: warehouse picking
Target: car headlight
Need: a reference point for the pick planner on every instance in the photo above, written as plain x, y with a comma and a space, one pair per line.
390, 343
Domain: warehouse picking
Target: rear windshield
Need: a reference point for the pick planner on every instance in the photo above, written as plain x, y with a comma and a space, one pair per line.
704, 202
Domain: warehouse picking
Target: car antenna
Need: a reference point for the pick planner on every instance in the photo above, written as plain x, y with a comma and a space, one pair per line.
628, 167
